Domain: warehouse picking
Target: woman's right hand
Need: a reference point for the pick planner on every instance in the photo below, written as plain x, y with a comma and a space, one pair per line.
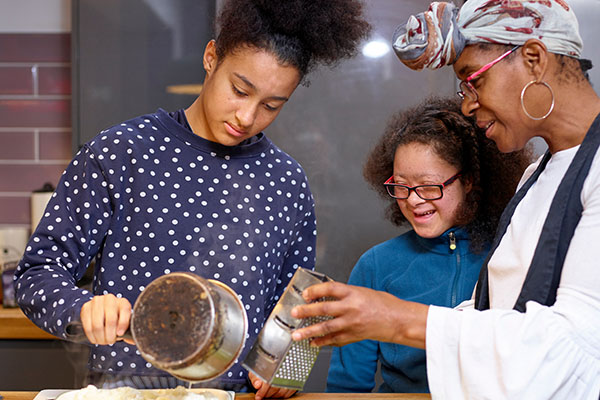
360, 313
104, 318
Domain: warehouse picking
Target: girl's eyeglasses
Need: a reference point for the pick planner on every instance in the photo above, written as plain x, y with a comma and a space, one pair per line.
426, 192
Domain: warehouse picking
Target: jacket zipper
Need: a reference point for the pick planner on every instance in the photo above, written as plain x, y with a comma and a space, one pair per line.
452, 238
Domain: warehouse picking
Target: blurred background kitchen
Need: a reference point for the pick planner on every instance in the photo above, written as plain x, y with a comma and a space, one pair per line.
69, 68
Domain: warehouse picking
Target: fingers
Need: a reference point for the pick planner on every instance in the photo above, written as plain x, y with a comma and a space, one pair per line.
124, 309
94, 329
280, 393
262, 389
337, 339
330, 308
367, 314
357, 313
258, 385
286, 393
86, 321
111, 315
323, 332
333, 308
104, 317
327, 289
129, 341
266, 391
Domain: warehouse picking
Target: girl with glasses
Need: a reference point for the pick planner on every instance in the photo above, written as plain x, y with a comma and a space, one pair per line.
449, 184
532, 329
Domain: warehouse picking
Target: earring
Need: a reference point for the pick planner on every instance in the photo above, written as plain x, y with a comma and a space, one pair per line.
523, 103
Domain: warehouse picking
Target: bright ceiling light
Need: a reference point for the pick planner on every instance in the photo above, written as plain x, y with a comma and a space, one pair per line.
375, 49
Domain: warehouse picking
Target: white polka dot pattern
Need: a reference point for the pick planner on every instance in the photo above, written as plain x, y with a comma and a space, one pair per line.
148, 197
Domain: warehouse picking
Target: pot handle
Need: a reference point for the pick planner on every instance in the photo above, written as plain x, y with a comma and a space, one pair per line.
74, 332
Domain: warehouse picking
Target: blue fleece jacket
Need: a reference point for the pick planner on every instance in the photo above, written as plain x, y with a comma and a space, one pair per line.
410, 267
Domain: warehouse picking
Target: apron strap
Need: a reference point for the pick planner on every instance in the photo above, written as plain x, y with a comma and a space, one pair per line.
482, 295
543, 275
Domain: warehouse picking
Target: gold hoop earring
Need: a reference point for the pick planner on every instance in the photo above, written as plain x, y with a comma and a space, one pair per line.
523, 103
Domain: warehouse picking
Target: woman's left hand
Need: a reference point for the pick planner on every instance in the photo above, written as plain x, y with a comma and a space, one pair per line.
265, 391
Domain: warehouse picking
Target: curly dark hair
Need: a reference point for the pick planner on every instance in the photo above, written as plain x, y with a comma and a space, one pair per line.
439, 123
301, 33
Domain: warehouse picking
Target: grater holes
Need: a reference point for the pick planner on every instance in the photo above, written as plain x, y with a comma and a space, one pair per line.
298, 362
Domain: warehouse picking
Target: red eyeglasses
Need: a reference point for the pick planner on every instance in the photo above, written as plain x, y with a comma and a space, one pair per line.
426, 192
467, 89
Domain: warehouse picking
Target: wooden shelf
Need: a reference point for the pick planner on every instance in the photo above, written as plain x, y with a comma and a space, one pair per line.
15, 325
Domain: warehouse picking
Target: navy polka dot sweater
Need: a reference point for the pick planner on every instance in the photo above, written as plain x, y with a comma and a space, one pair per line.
149, 197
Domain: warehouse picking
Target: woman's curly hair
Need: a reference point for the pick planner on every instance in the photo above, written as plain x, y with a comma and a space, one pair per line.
439, 123
301, 33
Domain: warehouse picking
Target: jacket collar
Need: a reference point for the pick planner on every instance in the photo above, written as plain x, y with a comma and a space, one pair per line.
441, 244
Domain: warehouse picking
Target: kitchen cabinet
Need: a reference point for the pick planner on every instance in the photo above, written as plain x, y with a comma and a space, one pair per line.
33, 359
15, 325
130, 57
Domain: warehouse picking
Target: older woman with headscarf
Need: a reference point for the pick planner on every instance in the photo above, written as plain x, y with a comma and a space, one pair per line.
532, 330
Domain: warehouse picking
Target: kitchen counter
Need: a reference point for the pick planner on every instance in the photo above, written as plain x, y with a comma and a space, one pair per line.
15, 325
299, 396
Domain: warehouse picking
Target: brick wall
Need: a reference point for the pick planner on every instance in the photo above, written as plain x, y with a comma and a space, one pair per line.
35, 118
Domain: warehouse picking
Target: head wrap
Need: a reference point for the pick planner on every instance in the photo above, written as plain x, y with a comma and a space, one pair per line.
437, 37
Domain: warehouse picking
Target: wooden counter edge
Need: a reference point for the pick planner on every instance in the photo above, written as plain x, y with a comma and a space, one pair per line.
15, 325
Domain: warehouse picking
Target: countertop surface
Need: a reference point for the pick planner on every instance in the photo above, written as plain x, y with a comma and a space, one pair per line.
299, 396
15, 325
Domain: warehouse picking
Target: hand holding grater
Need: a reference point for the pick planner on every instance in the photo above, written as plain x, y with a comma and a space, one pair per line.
275, 357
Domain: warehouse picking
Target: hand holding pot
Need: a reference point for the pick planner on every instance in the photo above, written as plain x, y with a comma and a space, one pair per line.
189, 326
105, 319
360, 313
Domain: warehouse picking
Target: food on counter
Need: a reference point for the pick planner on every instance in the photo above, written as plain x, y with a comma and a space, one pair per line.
126, 393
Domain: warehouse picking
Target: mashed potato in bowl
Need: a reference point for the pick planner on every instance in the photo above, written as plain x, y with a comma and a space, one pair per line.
126, 393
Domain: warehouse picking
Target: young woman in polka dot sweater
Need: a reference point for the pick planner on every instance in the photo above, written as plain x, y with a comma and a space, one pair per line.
201, 190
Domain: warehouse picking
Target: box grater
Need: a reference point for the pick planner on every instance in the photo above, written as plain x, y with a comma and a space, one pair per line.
275, 357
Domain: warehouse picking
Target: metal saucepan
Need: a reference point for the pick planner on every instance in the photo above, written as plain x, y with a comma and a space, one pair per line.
189, 326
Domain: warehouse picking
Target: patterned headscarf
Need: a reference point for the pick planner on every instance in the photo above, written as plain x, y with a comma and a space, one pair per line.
437, 37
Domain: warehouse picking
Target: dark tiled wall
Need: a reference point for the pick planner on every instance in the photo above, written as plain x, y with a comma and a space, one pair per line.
35, 118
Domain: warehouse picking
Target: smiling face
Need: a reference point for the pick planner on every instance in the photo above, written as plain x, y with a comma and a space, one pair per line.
242, 94
419, 164
498, 107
